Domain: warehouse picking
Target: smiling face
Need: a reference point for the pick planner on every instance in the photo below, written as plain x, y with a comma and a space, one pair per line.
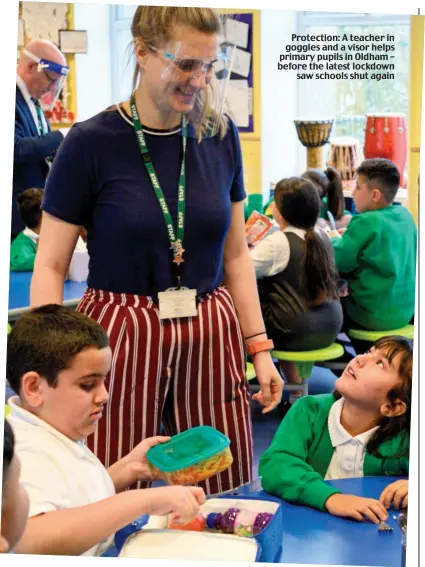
368, 379
74, 405
173, 85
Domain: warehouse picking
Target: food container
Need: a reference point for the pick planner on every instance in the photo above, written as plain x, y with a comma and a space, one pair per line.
149, 538
191, 456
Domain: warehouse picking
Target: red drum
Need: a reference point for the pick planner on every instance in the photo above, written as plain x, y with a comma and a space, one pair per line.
386, 137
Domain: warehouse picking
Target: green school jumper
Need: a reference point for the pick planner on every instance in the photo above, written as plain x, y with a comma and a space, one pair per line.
295, 464
22, 254
377, 257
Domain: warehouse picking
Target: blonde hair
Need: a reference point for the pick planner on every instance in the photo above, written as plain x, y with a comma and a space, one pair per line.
154, 25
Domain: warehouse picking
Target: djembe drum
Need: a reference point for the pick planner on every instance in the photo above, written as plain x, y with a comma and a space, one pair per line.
314, 134
386, 137
345, 156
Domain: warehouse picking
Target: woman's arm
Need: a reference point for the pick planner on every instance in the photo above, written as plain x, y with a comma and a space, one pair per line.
239, 278
54, 253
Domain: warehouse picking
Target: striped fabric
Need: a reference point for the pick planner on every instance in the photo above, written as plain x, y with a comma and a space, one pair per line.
178, 372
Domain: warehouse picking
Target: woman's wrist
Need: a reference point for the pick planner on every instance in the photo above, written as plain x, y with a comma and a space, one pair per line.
256, 338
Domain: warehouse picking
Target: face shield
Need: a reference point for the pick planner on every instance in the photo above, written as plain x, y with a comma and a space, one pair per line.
56, 75
194, 86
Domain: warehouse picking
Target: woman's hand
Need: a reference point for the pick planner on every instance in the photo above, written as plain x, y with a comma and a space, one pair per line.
270, 381
396, 492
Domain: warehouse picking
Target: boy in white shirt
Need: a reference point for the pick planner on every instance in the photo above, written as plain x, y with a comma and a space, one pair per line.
57, 361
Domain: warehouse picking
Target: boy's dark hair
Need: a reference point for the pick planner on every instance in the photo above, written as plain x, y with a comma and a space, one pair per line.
46, 340
8, 452
384, 174
391, 427
299, 204
329, 183
29, 207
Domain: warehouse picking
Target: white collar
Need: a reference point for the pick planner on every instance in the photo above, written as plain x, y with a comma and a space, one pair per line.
31, 234
18, 413
337, 433
298, 231
23, 88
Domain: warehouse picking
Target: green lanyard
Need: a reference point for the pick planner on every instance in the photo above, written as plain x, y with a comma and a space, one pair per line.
39, 117
176, 241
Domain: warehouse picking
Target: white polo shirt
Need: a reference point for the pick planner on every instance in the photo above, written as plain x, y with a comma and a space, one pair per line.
57, 472
348, 457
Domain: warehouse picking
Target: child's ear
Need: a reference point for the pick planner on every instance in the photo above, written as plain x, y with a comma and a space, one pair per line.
376, 195
32, 389
397, 409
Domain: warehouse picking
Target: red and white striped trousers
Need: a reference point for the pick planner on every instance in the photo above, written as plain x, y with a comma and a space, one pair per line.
178, 372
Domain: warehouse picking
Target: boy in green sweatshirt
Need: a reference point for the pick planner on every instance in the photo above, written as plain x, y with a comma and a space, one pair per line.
377, 252
24, 247
362, 429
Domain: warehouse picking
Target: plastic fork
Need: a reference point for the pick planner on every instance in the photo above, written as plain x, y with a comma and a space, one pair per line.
384, 528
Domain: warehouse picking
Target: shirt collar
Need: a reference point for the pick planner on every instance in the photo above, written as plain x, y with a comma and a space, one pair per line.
20, 414
337, 433
24, 89
31, 234
298, 231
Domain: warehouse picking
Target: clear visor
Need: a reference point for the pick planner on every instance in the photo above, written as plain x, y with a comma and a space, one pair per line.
194, 86
55, 74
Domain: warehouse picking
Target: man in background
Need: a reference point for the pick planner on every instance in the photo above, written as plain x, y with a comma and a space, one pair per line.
41, 73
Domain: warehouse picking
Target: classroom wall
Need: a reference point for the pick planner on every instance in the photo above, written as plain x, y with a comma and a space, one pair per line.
415, 108
93, 69
279, 141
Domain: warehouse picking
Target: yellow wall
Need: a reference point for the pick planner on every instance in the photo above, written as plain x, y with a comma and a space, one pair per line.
415, 108
251, 142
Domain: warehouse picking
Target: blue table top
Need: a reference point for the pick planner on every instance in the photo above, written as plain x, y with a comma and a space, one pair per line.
19, 291
318, 538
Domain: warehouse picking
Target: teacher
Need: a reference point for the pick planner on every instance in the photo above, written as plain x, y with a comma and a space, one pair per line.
158, 184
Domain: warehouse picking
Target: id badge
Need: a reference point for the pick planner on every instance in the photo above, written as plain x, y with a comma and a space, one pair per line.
176, 302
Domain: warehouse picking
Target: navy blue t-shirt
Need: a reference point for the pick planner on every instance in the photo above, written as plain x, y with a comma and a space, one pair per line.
98, 180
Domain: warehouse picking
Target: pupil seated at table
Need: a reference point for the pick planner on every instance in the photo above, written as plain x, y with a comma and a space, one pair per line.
376, 254
296, 276
23, 249
57, 361
329, 185
361, 429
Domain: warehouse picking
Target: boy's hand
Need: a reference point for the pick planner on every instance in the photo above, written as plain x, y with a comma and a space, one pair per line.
137, 462
356, 507
397, 492
182, 502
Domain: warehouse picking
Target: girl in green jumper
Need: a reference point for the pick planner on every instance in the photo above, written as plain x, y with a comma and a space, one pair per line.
362, 429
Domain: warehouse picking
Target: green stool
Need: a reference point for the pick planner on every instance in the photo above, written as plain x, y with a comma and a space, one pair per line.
371, 336
305, 361
250, 371
6, 410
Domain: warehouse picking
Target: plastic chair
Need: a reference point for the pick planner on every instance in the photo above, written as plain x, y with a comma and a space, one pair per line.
305, 361
371, 336
250, 371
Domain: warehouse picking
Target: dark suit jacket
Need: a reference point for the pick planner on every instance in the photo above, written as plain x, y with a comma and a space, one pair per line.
30, 152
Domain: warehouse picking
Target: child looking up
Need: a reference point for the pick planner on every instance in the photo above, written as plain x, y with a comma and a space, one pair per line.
370, 409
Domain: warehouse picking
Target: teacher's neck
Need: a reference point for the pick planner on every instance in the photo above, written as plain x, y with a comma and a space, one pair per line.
150, 115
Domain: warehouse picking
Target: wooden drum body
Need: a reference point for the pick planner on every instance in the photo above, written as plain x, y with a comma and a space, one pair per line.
314, 134
386, 137
345, 156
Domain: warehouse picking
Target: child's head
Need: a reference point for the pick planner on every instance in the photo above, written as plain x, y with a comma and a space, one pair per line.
14, 504
377, 183
57, 360
380, 382
297, 203
29, 207
329, 184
